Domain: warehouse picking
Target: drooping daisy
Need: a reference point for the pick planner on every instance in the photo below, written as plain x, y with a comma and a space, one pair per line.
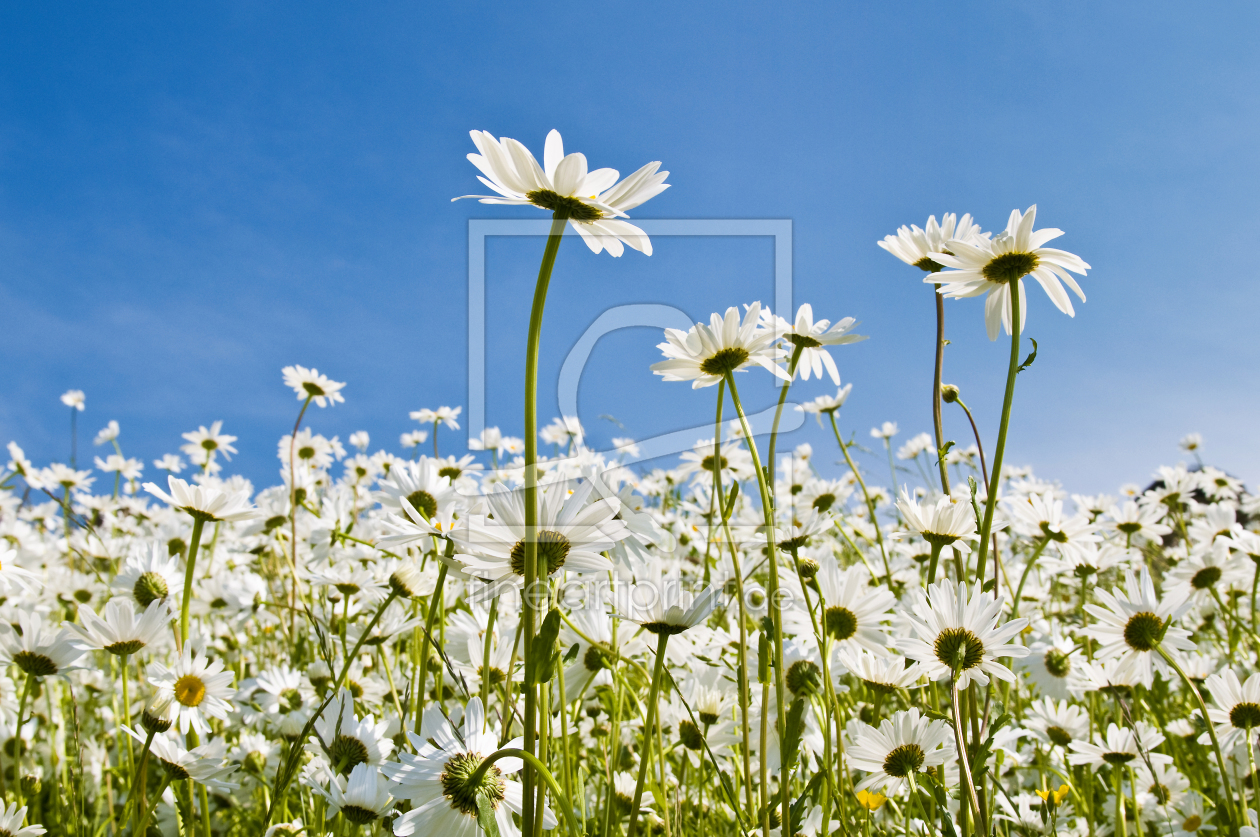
201, 689
437, 780
811, 338
204, 502
991, 266
950, 521
348, 740
658, 601
204, 765
906, 744
706, 353
592, 201
362, 798
957, 634
308, 383
1134, 620
119, 631
913, 245
39, 648
1157, 792
1119, 747
571, 533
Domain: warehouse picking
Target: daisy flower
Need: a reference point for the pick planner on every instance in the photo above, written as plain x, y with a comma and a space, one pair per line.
884, 674
447, 416
810, 337
906, 744
203, 442
1050, 665
1133, 519
12, 577
1119, 746
309, 384
1212, 569
12, 817
437, 780
657, 601
853, 612
38, 648
362, 798
950, 521
826, 404
74, 399
1236, 709
204, 502
991, 267
1134, 620
956, 633
348, 740
201, 689
119, 631
592, 201
705, 354
1057, 723
572, 531
204, 765
913, 245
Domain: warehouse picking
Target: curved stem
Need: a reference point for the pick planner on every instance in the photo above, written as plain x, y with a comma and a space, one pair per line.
984, 467
644, 759
189, 565
991, 501
528, 608
529, 758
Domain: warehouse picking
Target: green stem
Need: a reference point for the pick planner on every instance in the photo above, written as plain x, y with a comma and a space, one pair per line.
936, 555
528, 610
995, 483
961, 741
190, 565
1032, 560
529, 758
143, 822
644, 757
870, 504
776, 606
778, 410
17, 734
425, 643
485, 654
936, 390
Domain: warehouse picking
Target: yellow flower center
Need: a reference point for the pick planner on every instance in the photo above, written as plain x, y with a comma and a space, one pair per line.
190, 690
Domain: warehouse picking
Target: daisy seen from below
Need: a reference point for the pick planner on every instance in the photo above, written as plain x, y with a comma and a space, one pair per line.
119, 632
39, 648
204, 502
809, 340
826, 403
204, 765
201, 689
1236, 708
312, 386
906, 744
11, 819
914, 246
1119, 746
949, 521
593, 202
439, 781
992, 267
956, 634
853, 612
348, 740
362, 798
706, 354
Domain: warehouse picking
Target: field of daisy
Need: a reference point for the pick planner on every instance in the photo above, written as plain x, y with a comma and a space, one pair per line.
554, 639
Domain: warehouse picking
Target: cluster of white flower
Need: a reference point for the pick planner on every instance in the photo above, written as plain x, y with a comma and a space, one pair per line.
439, 645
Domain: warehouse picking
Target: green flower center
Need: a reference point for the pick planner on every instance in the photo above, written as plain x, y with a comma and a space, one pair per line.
803, 341
690, 736
313, 389
34, 664
823, 502
882, 688
1160, 792
707, 718
1192, 823
959, 649
706, 464
347, 751
1245, 716
1143, 631
904, 760
564, 207
726, 360
423, 502
175, 771
494, 676
1058, 735
593, 659
1010, 266
1118, 759
306, 452
1206, 578
358, 815
290, 701
457, 785
1057, 537
553, 549
1057, 663
804, 677
125, 648
841, 623
450, 472
928, 266
1129, 528
149, 588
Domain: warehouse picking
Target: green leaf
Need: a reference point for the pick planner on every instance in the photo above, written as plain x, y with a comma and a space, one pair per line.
1028, 361
944, 449
792, 735
572, 653
485, 816
938, 716
542, 659
989, 585
730, 502
938, 796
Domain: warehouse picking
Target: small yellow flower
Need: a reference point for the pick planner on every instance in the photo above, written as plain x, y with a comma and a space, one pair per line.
871, 801
1058, 795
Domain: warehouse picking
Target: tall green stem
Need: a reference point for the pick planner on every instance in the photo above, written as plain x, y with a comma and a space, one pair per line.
996, 482
776, 606
870, 504
528, 608
426, 643
936, 390
648, 722
189, 566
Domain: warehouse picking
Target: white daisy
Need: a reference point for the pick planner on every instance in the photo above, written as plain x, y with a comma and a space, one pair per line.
204, 502
853, 612
1134, 620
592, 201
204, 765
957, 634
120, 632
913, 245
906, 744
308, 383
826, 404
950, 521
706, 353
12, 817
1120, 746
348, 740
658, 601
1236, 708
1057, 723
201, 689
362, 798
38, 648
811, 337
991, 267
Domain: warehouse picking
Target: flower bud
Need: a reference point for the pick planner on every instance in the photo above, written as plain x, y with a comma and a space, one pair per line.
159, 715
406, 581
949, 393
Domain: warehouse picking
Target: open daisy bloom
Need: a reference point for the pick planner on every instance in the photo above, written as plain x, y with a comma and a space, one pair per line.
981, 266
204, 502
705, 354
362, 798
907, 744
1236, 713
308, 383
956, 634
914, 246
811, 338
1135, 620
439, 783
592, 201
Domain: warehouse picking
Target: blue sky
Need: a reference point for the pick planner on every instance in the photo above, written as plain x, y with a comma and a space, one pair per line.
195, 195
